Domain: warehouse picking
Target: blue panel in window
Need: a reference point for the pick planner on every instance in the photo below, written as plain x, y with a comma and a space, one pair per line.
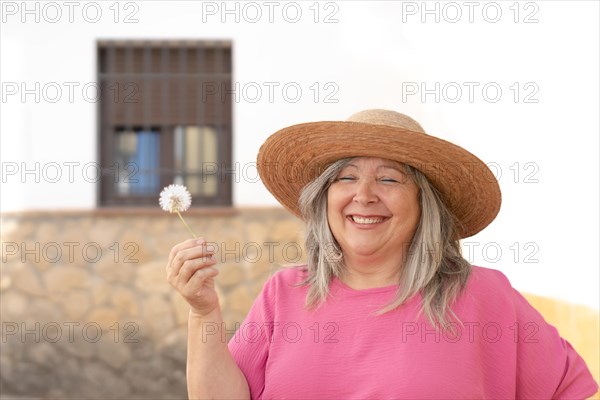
146, 159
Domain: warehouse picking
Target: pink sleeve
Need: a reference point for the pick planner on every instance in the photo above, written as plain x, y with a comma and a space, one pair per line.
250, 344
547, 365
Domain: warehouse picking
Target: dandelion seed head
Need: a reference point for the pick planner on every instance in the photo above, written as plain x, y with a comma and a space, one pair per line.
175, 198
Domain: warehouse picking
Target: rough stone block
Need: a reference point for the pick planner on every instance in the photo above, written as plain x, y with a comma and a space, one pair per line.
230, 275
77, 303
114, 269
115, 353
28, 281
239, 300
105, 232
125, 302
61, 279
104, 316
152, 277
13, 306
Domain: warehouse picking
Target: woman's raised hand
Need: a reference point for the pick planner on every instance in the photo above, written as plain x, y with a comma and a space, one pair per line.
191, 271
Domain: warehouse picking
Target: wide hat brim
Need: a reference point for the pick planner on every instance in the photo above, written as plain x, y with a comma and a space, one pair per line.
294, 156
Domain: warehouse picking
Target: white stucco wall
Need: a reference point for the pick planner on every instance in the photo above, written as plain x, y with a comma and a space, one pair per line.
371, 56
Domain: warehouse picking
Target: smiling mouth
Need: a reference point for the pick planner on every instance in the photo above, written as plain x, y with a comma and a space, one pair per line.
366, 220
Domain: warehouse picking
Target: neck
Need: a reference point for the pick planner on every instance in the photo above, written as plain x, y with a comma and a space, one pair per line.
370, 272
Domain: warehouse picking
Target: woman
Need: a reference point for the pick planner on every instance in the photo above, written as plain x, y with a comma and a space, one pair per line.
386, 306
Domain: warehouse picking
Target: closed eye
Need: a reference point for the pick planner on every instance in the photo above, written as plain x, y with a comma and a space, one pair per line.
345, 178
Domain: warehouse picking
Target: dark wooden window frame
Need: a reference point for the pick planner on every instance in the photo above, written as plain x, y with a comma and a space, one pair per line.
120, 109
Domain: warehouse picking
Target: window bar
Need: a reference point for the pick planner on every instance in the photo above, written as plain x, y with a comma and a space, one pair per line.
147, 82
219, 66
164, 90
138, 179
181, 103
110, 128
200, 108
182, 83
146, 95
129, 72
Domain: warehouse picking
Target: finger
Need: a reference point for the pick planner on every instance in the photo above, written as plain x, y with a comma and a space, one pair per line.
187, 244
202, 250
193, 259
199, 277
190, 267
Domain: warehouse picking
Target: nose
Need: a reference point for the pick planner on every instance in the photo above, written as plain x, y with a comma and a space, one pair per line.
365, 193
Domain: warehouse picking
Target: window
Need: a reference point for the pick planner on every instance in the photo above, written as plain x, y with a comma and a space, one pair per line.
164, 117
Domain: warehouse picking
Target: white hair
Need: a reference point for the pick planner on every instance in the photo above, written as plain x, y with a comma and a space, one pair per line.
433, 264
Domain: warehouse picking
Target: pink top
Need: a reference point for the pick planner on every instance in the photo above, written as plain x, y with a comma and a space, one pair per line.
341, 351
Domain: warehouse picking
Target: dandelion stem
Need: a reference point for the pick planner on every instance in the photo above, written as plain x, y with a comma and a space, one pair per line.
186, 225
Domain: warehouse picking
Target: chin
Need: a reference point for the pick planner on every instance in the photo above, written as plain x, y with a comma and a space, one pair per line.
362, 250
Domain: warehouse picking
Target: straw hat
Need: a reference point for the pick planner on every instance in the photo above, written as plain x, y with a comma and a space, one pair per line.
294, 156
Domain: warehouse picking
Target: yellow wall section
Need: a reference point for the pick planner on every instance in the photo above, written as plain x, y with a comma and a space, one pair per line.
579, 325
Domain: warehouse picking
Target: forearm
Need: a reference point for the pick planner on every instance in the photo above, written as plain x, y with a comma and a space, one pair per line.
212, 373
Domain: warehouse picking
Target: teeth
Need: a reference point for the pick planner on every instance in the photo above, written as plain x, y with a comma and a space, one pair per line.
361, 220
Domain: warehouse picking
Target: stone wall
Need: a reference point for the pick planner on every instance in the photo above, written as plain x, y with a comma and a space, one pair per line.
86, 311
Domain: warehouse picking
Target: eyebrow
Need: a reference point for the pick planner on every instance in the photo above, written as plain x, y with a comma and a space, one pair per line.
390, 166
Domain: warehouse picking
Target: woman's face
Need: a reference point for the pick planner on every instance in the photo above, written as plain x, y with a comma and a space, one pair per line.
373, 208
